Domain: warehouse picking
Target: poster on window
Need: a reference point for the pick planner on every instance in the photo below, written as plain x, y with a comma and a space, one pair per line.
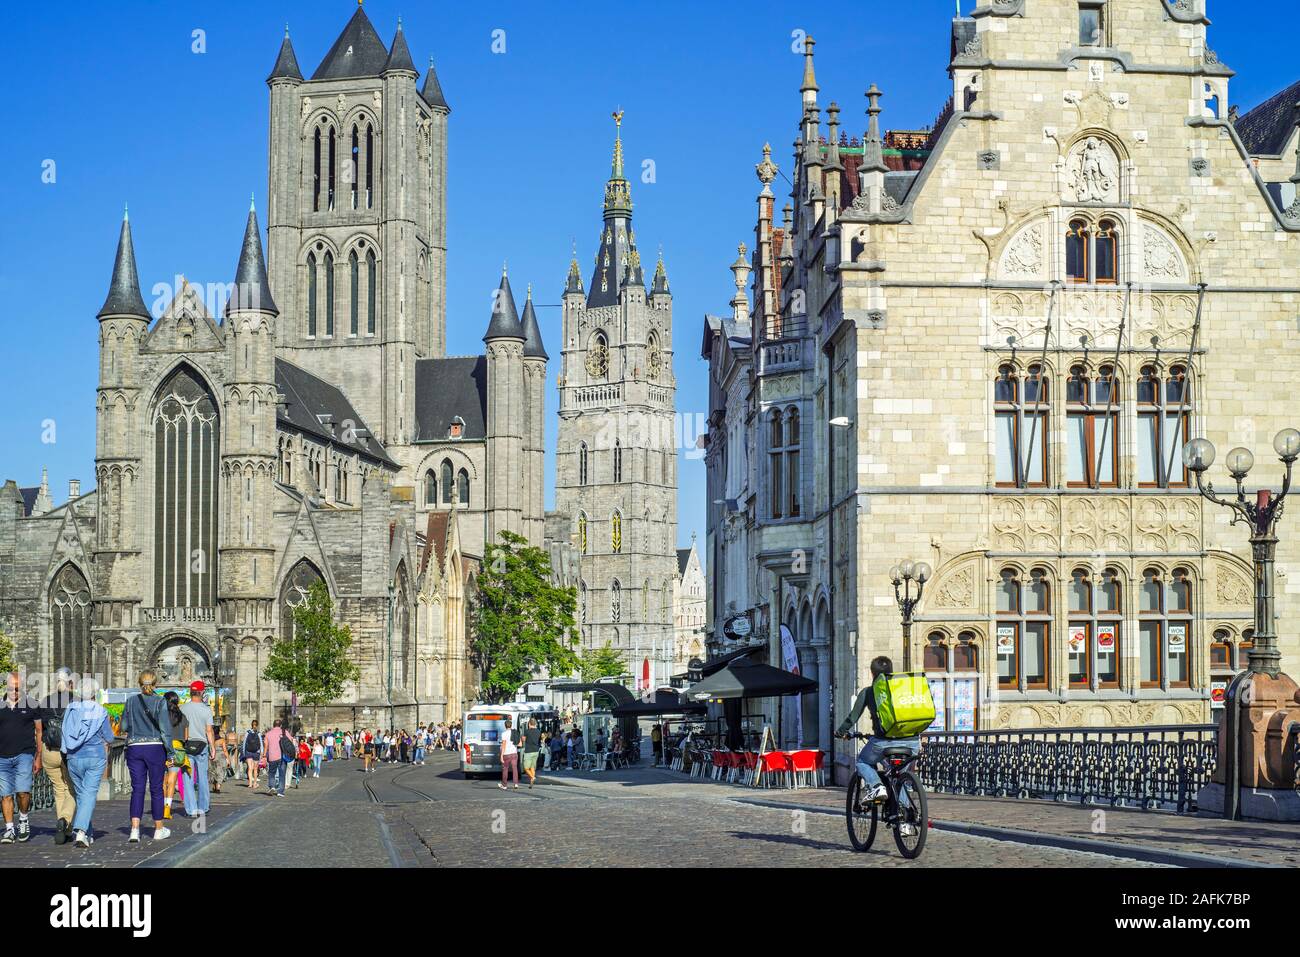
938, 690
1177, 638
1078, 639
963, 704
1218, 693
1105, 638
1006, 640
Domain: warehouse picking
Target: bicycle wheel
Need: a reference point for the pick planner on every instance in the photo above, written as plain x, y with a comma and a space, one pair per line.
914, 815
861, 816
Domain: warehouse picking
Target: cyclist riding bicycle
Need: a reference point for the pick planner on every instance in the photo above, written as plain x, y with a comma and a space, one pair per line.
877, 742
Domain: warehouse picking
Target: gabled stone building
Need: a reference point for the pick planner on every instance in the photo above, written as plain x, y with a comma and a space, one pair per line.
1092, 259
314, 430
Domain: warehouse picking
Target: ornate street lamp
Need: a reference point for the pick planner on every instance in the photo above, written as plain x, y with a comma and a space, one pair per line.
903, 575
1261, 696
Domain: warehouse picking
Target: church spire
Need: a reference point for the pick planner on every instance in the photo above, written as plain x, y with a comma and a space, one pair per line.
286, 64
124, 297
618, 264
533, 348
431, 91
618, 193
574, 283
661, 278
504, 323
399, 60
252, 290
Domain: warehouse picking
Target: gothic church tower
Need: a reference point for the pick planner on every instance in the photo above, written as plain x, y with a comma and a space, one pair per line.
616, 462
357, 220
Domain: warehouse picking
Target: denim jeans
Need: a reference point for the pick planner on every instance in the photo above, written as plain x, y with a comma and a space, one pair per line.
197, 790
315, 764
86, 768
419, 754
16, 774
275, 775
871, 753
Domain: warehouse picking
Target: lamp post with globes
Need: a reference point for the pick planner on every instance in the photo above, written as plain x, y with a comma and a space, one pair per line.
903, 575
1253, 773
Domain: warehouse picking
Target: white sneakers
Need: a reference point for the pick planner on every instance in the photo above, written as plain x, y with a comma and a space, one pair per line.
161, 834
83, 839
135, 836
879, 793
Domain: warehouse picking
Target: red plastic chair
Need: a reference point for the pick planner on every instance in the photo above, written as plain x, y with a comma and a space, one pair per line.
804, 765
735, 761
773, 763
750, 760
719, 763
820, 764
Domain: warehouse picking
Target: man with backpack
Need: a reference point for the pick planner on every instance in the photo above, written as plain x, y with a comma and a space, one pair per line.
52, 709
280, 754
251, 754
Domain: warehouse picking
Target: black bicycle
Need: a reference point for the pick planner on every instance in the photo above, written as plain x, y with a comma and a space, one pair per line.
908, 819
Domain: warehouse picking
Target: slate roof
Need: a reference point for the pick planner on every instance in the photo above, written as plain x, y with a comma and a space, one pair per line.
446, 389
435, 540
252, 289
432, 89
533, 347
286, 64
1267, 128
29, 498
124, 297
400, 58
683, 559
504, 323
308, 396
357, 52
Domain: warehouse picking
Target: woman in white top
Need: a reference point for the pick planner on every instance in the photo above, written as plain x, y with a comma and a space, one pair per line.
317, 755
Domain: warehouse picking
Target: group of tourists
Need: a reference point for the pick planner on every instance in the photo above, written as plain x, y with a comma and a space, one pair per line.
256, 751
69, 735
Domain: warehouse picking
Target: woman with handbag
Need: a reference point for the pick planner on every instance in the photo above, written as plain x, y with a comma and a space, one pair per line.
148, 753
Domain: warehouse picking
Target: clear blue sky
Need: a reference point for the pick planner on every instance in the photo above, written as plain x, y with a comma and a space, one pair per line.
113, 94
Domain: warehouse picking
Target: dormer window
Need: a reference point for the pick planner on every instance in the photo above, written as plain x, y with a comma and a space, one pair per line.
456, 429
1092, 23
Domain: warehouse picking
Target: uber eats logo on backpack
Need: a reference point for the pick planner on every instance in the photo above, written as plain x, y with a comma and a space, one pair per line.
76, 910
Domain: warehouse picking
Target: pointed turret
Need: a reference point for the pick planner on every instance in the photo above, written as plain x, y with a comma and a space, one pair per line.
533, 348
252, 290
574, 282
286, 64
399, 60
809, 86
431, 91
124, 297
661, 279
504, 323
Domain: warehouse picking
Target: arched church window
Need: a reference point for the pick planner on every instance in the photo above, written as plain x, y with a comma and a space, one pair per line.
615, 601
354, 293
311, 295
582, 464
582, 533
187, 455
372, 278
329, 294
448, 486
618, 461
70, 620
430, 488
315, 186
1076, 251
598, 357
462, 486
293, 594
1106, 244
354, 165
370, 168
616, 533
331, 168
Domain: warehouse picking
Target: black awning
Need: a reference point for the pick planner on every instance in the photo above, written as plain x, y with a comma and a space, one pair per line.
717, 664
664, 702
617, 694
746, 679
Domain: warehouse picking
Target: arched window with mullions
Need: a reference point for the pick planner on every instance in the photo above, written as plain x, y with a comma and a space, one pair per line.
952, 671
370, 166
1021, 415
1092, 428
1092, 253
312, 280
615, 601
354, 164
448, 482
1093, 636
1164, 628
582, 533
293, 594
329, 294
1165, 407
354, 294
776, 469
187, 456
618, 461
462, 486
372, 279
332, 167
430, 488
1023, 627
616, 533
315, 183
70, 620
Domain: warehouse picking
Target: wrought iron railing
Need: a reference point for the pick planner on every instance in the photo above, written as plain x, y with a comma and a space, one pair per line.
1155, 767
119, 779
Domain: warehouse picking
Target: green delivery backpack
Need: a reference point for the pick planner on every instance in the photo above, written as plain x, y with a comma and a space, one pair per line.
904, 704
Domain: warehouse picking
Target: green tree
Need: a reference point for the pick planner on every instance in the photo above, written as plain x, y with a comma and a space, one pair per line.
314, 662
600, 663
521, 621
7, 663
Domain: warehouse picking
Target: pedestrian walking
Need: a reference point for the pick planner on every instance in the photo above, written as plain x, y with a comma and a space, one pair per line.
252, 755
148, 754
347, 746
20, 757
304, 758
509, 756
86, 737
280, 751
176, 733
532, 745
317, 755
52, 709
557, 749
421, 737
200, 745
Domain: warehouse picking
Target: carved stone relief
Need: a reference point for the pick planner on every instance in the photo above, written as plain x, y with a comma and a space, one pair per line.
1024, 256
1161, 260
1094, 172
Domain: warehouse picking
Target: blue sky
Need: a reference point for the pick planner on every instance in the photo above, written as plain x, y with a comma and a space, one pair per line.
115, 96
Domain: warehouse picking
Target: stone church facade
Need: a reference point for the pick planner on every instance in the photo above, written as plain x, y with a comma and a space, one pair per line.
315, 430
1004, 316
616, 458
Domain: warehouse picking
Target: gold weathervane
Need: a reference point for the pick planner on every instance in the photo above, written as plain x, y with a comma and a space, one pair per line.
618, 117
